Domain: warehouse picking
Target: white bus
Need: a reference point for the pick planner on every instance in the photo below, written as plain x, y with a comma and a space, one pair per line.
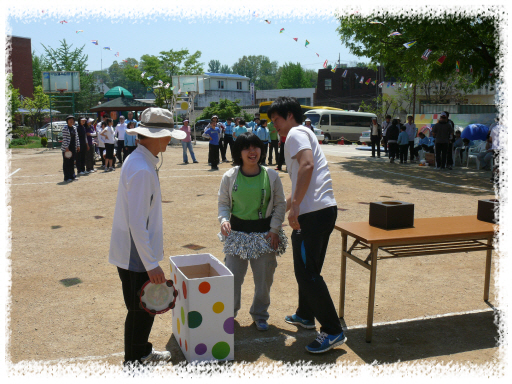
337, 124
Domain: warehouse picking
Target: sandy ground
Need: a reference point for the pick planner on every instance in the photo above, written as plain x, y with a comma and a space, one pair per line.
62, 231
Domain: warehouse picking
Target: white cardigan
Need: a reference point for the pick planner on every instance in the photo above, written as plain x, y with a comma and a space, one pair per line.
276, 205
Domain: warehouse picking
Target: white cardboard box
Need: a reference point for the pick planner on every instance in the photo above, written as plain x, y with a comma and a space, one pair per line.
203, 318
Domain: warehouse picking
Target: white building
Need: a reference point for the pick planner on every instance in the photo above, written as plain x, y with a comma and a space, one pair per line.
224, 86
303, 95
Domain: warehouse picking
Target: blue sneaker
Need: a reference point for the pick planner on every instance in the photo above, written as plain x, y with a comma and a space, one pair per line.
324, 342
261, 325
294, 319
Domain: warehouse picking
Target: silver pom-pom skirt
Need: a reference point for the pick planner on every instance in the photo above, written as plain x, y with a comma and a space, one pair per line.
252, 245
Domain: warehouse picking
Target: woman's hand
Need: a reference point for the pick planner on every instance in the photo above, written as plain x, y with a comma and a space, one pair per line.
274, 239
225, 228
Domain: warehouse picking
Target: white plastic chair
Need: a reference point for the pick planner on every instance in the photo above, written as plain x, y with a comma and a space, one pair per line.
474, 151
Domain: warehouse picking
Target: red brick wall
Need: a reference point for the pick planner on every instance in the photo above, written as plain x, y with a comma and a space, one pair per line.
20, 60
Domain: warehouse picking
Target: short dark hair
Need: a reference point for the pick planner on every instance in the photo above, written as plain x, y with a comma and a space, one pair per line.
422, 134
284, 105
388, 116
244, 141
447, 113
131, 123
103, 123
402, 127
109, 120
241, 121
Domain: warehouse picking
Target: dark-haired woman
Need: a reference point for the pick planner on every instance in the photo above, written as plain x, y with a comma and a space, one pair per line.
251, 212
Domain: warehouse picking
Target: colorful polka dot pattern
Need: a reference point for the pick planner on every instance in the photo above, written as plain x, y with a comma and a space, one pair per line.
178, 325
229, 325
201, 349
194, 319
218, 307
221, 350
183, 316
204, 287
184, 288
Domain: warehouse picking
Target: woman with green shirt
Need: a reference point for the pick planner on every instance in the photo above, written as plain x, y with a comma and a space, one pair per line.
252, 207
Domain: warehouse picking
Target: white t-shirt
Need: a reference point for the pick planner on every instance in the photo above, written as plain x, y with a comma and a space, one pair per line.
120, 130
320, 194
108, 135
495, 136
101, 143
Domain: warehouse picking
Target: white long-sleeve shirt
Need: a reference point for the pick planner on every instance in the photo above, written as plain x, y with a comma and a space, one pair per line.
137, 241
101, 143
411, 130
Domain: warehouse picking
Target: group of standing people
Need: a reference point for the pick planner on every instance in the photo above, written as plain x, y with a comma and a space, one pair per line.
81, 142
251, 210
398, 140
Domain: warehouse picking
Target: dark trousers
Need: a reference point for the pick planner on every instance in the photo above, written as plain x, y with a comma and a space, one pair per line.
222, 149
441, 154
263, 157
68, 165
213, 155
403, 152
393, 150
375, 142
385, 144
101, 155
449, 155
138, 324
411, 150
417, 150
89, 158
274, 146
80, 159
309, 248
120, 151
228, 140
280, 161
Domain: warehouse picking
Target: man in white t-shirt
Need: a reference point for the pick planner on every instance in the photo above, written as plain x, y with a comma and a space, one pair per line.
101, 142
119, 132
312, 216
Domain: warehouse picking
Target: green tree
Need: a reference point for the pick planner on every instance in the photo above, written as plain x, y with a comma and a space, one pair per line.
469, 40
259, 69
224, 68
39, 64
224, 108
35, 107
292, 76
14, 103
214, 66
312, 77
65, 58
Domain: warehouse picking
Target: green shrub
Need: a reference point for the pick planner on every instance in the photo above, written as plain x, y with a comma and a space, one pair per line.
44, 141
16, 142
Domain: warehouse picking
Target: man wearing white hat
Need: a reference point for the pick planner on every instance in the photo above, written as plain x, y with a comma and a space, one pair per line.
136, 245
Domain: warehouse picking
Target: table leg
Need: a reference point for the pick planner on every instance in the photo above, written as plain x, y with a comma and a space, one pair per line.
487, 282
371, 294
343, 275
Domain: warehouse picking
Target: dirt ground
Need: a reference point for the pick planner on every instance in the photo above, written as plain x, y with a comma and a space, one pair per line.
62, 231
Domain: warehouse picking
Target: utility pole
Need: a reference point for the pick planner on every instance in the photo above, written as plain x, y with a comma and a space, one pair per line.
414, 102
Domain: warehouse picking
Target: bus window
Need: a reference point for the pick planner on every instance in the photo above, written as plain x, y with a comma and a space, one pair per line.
324, 120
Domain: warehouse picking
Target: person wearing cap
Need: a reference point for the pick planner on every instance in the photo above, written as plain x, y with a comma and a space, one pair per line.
82, 138
212, 132
119, 133
187, 143
442, 132
70, 145
307, 124
89, 157
375, 136
136, 243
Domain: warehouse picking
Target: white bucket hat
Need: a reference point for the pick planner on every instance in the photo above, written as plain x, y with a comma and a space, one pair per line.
156, 123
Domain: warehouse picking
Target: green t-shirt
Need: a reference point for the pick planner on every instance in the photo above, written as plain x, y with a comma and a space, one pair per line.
251, 194
273, 131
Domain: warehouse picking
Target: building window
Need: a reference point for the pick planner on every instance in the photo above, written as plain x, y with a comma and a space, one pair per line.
239, 85
220, 84
328, 84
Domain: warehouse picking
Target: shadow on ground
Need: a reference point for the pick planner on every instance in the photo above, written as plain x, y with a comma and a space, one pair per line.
421, 339
458, 180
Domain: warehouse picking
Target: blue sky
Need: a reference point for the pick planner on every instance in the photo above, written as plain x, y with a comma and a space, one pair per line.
225, 39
